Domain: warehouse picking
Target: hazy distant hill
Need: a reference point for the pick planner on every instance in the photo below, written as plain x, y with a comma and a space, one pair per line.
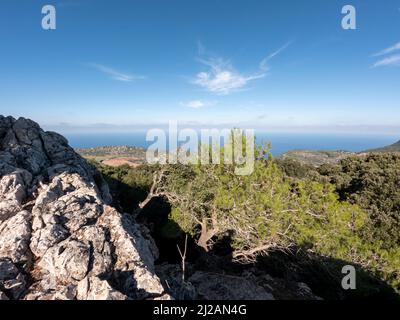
392, 148
316, 158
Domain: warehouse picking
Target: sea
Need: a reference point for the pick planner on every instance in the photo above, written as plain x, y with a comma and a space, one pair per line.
280, 142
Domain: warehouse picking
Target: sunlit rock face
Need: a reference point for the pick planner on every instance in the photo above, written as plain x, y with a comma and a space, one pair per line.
59, 238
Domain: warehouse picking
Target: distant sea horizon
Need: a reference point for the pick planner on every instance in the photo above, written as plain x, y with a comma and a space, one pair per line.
280, 142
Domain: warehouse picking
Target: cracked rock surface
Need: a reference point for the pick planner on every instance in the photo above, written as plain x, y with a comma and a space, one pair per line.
59, 238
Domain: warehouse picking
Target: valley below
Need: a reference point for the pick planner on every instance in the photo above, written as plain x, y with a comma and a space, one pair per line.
114, 156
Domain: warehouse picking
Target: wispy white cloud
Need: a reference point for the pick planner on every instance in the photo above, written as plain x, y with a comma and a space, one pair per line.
222, 78
389, 50
114, 74
389, 61
197, 104
264, 62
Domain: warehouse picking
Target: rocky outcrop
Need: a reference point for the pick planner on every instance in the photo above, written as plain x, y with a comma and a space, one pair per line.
59, 238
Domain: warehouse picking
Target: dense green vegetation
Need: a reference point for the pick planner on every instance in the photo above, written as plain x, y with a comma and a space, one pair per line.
373, 183
315, 158
343, 214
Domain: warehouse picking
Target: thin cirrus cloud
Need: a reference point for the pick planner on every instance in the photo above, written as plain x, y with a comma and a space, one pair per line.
114, 74
197, 104
222, 78
264, 62
392, 60
389, 50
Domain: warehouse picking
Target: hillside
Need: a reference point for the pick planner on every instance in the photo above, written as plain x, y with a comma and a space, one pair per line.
392, 148
316, 158
237, 224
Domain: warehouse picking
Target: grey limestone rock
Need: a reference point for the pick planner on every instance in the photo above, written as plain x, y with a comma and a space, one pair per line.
59, 238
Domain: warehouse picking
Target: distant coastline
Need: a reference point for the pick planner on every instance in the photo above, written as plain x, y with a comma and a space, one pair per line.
133, 156
281, 142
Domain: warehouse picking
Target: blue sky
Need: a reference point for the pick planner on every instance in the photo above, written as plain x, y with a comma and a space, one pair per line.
278, 65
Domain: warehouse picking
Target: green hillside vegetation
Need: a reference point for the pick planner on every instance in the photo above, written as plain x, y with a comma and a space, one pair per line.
316, 158
392, 148
373, 183
341, 214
